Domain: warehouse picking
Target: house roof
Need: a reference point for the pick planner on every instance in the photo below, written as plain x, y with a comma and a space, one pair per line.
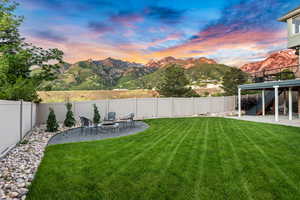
271, 84
289, 15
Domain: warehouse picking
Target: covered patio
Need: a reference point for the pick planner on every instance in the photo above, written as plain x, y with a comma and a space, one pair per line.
275, 88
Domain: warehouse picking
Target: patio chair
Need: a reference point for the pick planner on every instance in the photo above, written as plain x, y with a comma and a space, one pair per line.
111, 117
128, 119
85, 123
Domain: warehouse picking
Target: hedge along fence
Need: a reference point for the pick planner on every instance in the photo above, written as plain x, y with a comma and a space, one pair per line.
17, 118
143, 108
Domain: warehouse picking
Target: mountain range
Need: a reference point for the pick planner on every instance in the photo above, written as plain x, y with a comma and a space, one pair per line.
112, 73
275, 60
185, 63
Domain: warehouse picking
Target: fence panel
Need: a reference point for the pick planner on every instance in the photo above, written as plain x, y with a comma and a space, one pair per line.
183, 107
16, 119
164, 107
86, 109
59, 110
142, 107
26, 123
34, 114
10, 124
146, 108
122, 106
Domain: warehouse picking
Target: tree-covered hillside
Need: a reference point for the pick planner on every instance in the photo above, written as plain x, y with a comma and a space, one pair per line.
112, 74
197, 75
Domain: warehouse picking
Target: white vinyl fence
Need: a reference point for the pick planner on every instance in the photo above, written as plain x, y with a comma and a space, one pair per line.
143, 108
16, 119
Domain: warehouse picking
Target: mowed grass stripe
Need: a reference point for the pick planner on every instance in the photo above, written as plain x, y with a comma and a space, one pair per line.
188, 163
188, 158
263, 153
272, 146
111, 152
165, 160
125, 163
199, 175
259, 167
237, 162
254, 166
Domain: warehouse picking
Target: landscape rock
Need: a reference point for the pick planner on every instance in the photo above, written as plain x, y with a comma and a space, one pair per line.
18, 167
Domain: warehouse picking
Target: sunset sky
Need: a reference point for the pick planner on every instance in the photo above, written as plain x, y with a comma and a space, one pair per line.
232, 32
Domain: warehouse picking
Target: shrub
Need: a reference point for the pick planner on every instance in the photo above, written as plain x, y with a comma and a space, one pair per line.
70, 120
52, 124
286, 74
97, 117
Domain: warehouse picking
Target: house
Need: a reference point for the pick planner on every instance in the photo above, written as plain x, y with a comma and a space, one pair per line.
272, 84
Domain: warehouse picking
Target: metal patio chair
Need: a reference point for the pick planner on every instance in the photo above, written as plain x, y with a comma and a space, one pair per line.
85, 123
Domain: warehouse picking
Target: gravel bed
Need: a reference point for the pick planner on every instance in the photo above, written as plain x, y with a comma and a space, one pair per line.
18, 167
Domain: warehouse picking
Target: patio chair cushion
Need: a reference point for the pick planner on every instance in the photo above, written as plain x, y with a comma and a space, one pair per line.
85, 122
111, 116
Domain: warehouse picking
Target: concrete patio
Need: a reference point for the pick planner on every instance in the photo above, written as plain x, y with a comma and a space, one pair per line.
283, 120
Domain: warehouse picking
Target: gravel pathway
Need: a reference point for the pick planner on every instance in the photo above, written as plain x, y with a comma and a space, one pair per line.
90, 134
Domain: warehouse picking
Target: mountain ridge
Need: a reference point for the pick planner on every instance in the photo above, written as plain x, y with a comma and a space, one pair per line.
110, 73
185, 63
275, 60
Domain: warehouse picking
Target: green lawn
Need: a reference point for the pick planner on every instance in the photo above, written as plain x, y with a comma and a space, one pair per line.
189, 158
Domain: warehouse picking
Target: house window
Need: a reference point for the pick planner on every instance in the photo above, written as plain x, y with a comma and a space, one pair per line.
296, 24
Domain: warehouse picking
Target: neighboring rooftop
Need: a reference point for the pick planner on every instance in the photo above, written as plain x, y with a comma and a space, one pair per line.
290, 14
271, 84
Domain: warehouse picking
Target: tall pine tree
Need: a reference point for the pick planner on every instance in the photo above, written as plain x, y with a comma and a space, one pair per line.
52, 124
97, 117
174, 83
232, 79
70, 120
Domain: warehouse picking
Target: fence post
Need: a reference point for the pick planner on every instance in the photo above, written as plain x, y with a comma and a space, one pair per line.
136, 107
107, 106
193, 105
224, 104
21, 119
31, 115
74, 110
156, 111
172, 107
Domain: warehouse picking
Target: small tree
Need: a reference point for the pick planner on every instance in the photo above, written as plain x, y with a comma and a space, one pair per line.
70, 120
97, 117
52, 124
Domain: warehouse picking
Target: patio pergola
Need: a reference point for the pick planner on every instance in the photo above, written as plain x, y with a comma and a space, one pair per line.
290, 85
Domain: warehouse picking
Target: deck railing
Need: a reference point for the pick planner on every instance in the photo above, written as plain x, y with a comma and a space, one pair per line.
280, 73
